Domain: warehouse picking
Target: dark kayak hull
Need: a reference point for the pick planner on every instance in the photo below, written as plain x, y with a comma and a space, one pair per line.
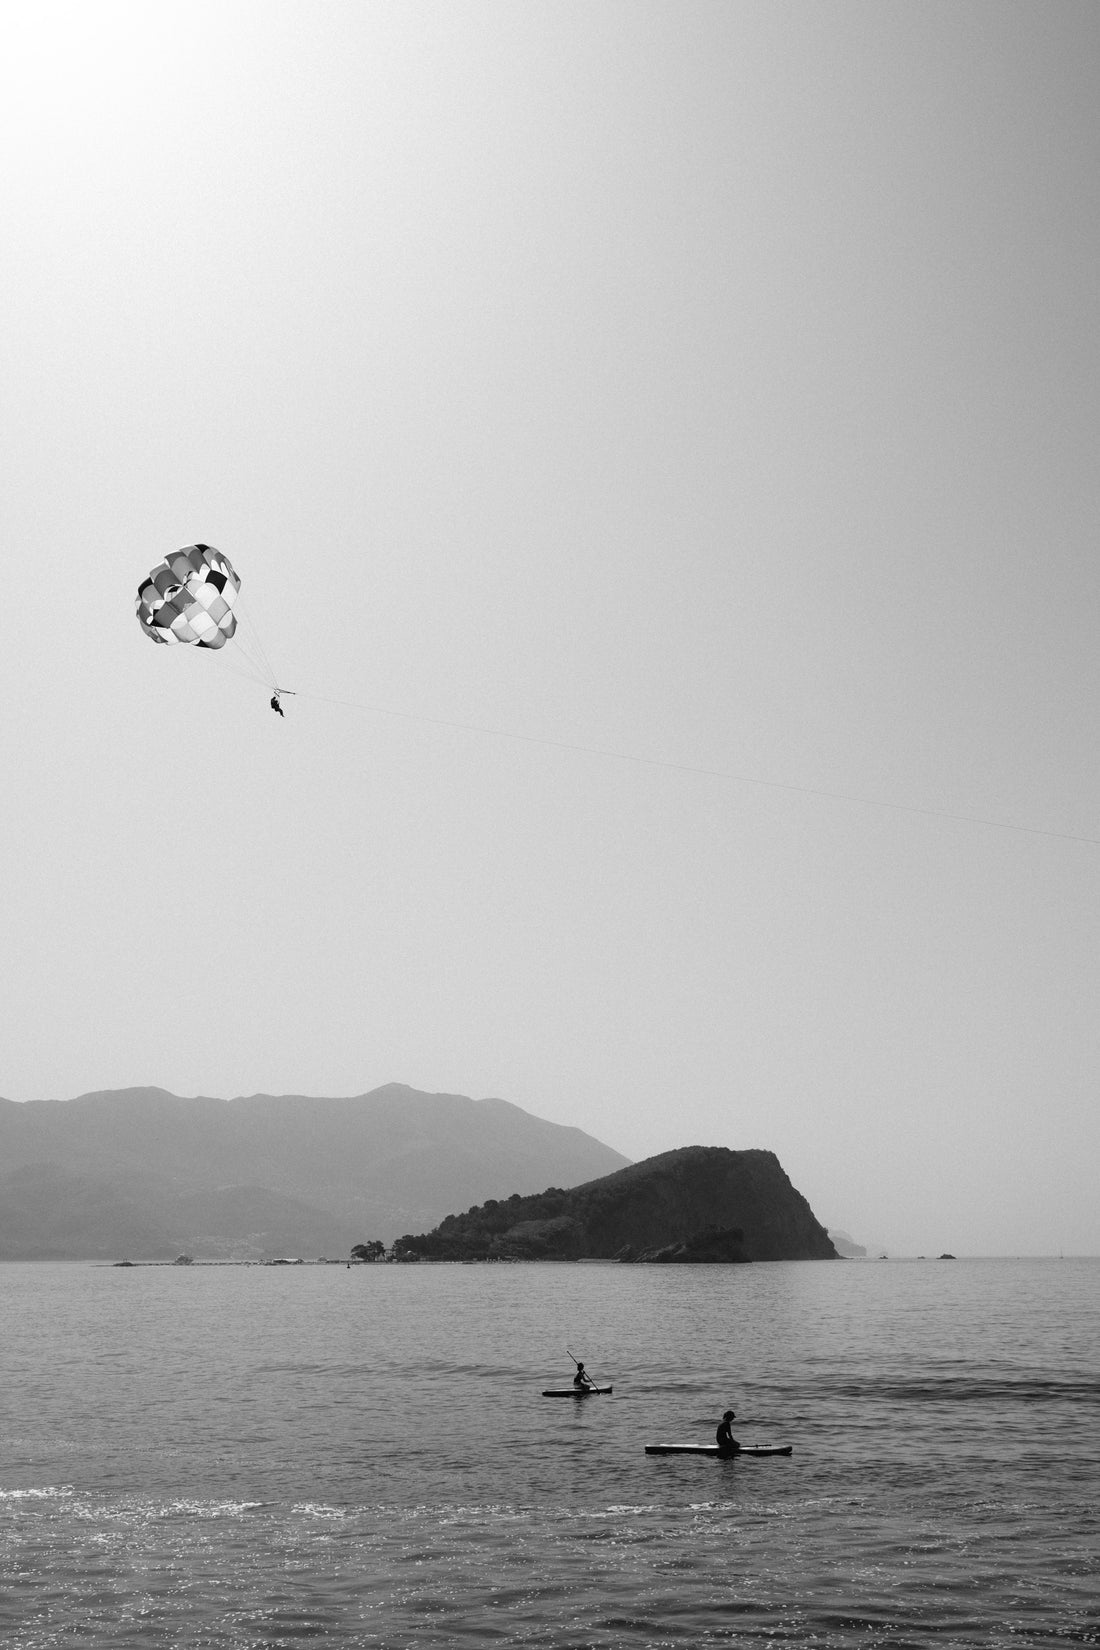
712, 1449
575, 1391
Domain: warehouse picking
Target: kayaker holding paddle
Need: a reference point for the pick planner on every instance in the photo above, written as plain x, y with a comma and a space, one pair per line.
583, 1384
582, 1380
727, 1443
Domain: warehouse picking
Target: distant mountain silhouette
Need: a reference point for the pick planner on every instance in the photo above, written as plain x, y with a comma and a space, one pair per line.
698, 1204
145, 1175
52, 1213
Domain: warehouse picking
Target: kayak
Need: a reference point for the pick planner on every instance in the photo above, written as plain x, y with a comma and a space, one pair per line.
574, 1391
712, 1449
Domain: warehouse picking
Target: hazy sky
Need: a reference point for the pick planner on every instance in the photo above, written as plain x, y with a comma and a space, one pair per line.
713, 384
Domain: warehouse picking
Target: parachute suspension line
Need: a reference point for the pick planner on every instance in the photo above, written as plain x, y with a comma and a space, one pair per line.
227, 659
251, 644
259, 667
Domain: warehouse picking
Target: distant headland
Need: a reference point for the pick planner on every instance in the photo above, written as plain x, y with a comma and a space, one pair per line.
700, 1204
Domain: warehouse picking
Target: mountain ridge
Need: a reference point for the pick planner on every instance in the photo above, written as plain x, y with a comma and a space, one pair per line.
356, 1167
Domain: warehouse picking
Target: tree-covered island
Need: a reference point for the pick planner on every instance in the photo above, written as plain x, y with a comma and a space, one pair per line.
697, 1204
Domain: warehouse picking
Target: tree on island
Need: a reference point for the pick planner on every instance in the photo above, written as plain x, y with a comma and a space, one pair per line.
374, 1249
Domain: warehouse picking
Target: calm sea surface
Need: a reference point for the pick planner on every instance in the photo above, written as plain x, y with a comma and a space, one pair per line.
275, 1456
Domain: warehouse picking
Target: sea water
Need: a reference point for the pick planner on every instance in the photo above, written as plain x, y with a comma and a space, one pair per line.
234, 1456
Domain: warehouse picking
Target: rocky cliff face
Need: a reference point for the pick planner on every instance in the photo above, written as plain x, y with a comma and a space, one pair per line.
698, 1203
710, 1247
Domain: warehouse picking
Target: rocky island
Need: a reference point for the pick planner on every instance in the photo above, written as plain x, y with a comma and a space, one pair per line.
697, 1204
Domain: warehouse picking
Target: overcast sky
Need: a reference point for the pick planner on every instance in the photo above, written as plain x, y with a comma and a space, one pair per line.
714, 385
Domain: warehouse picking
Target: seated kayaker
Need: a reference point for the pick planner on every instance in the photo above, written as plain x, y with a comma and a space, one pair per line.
581, 1380
727, 1443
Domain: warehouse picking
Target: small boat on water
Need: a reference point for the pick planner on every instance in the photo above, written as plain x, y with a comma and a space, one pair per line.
712, 1449
575, 1391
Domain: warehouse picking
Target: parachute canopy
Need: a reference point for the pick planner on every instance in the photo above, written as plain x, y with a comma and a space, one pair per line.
189, 598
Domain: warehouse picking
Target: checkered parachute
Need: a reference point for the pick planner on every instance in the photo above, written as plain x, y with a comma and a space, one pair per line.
189, 597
